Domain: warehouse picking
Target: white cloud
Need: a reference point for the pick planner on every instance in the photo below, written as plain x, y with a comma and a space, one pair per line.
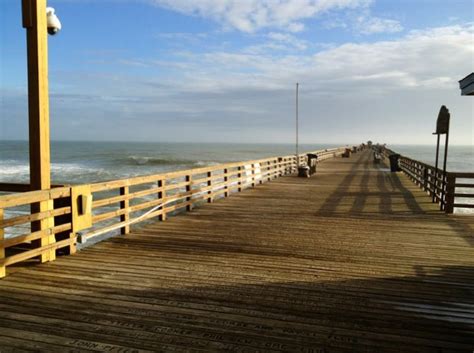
252, 15
371, 25
389, 91
403, 80
288, 39
362, 22
420, 59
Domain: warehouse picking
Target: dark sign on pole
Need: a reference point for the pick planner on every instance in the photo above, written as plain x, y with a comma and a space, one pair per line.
442, 124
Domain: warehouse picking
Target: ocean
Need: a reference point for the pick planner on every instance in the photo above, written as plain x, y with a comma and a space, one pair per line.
87, 162
460, 158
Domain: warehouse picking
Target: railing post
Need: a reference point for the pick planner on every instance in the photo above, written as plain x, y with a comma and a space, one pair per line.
189, 189
239, 176
2, 247
430, 181
209, 183
425, 178
435, 187
124, 206
226, 181
450, 191
253, 175
65, 219
269, 177
162, 196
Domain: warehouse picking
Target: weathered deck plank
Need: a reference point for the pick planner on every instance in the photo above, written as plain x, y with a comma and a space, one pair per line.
355, 259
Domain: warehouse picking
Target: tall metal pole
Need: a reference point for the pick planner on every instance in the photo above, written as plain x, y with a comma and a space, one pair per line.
297, 152
34, 20
444, 167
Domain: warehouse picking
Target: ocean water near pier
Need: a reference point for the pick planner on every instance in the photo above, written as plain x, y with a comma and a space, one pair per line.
86, 162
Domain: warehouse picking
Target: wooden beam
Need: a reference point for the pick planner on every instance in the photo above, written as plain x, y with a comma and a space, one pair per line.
450, 193
124, 205
34, 20
226, 181
189, 180
2, 247
209, 183
162, 197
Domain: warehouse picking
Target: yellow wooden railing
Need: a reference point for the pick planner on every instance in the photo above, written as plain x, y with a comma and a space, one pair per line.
82, 212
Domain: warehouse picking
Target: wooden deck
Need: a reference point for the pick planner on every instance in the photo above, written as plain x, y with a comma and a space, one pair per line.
355, 259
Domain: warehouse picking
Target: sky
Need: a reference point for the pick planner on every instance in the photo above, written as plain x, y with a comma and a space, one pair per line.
225, 70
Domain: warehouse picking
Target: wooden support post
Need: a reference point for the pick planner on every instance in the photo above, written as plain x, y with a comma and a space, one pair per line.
209, 183
450, 190
253, 175
65, 219
124, 205
189, 189
226, 181
2, 248
435, 182
425, 178
445, 161
34, 20
162, 197
436, 187
239, 176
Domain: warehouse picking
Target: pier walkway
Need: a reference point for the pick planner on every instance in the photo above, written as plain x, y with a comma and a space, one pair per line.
354, 259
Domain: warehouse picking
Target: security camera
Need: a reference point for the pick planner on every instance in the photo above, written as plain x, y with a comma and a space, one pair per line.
54, 25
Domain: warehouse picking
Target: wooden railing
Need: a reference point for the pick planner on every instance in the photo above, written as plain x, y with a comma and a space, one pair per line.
35, 243
82, 212
460, 188
448, 191
14, 187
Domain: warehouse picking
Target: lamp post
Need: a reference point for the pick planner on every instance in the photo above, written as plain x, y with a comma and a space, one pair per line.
297, 132
36, 22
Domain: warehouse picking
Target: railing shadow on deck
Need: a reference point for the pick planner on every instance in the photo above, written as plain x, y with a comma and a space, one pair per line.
462, 229
429, 310
386, 197
452, 190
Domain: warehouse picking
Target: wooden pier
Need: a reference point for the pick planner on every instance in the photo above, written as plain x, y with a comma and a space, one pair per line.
354, 259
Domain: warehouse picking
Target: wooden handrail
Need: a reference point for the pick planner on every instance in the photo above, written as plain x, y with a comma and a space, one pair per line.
18, 187
115, 204
430, 179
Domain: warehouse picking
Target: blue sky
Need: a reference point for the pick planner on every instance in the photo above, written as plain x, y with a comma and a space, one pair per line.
218, 71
